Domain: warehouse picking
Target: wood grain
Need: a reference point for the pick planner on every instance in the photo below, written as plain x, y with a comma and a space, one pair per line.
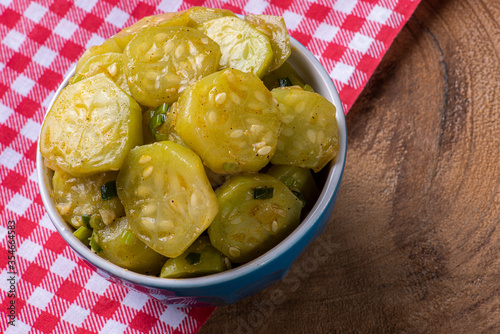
413, 245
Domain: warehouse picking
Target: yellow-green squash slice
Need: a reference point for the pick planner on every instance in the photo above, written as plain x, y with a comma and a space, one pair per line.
124, 36
243, 47
160, 62
309, 133
80, 198
256, 213
200, 259
107, 46
91, 127
167, 197
198, 15
119, 245
230, 120
109, 63
273, 27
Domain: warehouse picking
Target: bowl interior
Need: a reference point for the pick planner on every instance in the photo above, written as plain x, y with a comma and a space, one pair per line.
309, 68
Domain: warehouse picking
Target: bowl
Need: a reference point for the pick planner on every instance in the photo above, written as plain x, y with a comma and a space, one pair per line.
235, 284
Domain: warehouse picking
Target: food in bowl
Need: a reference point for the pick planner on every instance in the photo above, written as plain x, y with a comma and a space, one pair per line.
183, 146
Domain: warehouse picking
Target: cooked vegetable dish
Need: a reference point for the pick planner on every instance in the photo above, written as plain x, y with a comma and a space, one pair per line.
186, 145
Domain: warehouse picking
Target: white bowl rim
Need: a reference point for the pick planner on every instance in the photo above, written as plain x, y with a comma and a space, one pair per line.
328, 192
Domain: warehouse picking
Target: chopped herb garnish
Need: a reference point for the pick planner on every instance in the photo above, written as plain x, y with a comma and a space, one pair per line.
263, 193
127, 237
300, 196
284, 82
193, 258
86, 221
108, 190
96, 222
156, 118
230, 167
83, 234
94, 243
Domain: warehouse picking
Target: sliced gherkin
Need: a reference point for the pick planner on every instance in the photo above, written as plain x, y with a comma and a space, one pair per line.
109, 63
309, 133
247, 225
273, 27
91, 127
243, 47
79, 198
230, 120
160, 62
200, 259
121, 247
167, 197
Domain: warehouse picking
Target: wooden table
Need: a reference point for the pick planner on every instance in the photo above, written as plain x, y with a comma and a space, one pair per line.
413, 245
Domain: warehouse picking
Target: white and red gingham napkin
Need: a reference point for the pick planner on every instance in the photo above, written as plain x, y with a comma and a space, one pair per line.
39, 42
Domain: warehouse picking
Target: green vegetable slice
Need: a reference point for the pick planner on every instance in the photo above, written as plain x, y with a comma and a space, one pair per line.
91, 127
160, 62
110, 63
243, 47
107, 46
119, 245
200, 259
123, 37
309, 133
198, 15
273, 27
79, 201
245, 227
167, 197
230, 120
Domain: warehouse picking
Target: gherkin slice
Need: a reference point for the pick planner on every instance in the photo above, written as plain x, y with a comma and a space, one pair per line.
160, 62
243, 47
230, 120
91, 127
200, 259
131, 253
245, 227
309, 133
167, 197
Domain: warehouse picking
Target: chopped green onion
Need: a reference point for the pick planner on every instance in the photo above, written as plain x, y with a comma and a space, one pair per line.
157, 118
263, 193
193, 258
127, 237
230, 167
284, 82
108, 190
300, 196
86, 221
94, 243
96, 222
83, 234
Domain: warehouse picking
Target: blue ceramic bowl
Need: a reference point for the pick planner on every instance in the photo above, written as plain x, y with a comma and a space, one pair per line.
235, 284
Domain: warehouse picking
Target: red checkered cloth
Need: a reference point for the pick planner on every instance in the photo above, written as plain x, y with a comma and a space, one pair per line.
39, 42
